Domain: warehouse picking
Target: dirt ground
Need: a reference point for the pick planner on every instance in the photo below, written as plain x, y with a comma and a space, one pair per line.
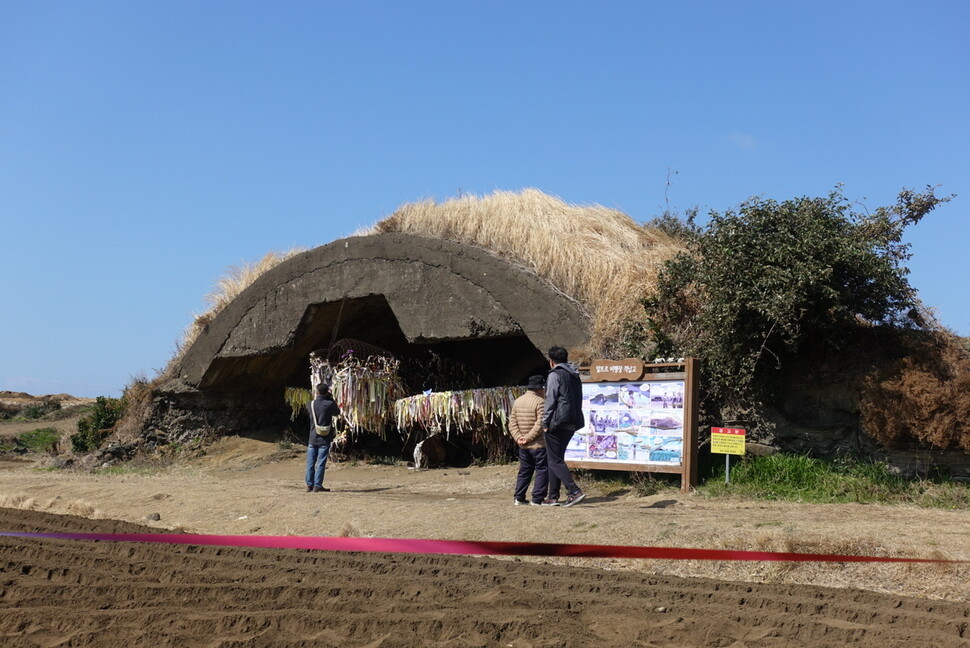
73, 593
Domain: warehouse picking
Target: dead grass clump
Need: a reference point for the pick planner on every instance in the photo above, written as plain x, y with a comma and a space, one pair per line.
82, 509
138, 403
349, 531
598, 256
924, 395
18, 501
25, 503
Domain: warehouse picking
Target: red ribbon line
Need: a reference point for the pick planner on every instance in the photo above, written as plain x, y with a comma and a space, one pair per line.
468, 547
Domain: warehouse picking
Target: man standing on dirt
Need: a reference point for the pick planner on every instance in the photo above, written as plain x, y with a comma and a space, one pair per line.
563, 415
525, 426
322, 409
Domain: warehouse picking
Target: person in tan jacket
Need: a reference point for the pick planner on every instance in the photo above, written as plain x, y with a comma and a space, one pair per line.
525, 426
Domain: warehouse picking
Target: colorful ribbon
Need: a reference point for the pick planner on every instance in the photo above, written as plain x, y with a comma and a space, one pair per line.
468, 547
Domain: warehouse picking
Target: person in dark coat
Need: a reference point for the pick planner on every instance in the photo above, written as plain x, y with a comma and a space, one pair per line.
322, 411
562, 416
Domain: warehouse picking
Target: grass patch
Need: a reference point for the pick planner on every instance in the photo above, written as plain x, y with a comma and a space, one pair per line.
120, 470
800, 478
40, 440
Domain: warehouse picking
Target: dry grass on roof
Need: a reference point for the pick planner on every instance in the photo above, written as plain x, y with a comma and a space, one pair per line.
227, 288
599, 256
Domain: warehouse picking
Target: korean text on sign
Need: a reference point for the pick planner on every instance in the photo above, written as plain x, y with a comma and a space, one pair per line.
727, 440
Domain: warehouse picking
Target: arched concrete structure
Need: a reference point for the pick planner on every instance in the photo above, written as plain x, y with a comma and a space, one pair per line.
391, 290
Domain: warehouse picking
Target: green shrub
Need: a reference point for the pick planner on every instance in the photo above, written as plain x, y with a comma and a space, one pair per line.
94, 428
40, 440
37, 410
762, 282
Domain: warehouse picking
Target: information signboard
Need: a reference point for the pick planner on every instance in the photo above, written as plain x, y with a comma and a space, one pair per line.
631, 423
640, 417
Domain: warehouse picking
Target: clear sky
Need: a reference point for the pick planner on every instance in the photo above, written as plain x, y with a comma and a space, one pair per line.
147, 146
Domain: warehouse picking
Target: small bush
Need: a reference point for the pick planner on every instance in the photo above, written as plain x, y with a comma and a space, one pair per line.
37, 410
8, 411
40, 440
94, 428
645, 484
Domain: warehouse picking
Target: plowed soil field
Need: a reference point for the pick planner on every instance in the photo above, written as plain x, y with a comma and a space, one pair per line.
70, 593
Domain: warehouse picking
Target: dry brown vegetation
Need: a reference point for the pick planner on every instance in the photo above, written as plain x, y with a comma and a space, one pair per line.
600, 257
138, 401
923, 395
227, 288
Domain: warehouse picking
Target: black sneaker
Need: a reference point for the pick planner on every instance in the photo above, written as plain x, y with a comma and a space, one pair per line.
320, 489
574, 499
550, 502
521, 502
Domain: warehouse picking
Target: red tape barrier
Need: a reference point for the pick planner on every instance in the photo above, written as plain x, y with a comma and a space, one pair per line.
467, 547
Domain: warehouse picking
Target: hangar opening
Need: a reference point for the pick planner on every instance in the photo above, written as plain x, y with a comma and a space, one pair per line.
333, 328
418, 299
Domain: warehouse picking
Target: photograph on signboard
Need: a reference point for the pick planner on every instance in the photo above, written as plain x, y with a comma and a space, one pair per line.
631, 423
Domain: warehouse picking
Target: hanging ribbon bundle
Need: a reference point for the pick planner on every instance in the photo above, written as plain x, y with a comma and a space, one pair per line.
370, 394
297, 398
458, 410
365, 390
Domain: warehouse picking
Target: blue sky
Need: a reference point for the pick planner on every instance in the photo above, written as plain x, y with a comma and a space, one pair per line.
147, 146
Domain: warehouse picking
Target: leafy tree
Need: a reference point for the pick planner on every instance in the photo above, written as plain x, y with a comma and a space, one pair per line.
760, 281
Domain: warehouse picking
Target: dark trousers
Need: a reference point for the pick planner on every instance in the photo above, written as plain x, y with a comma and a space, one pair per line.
532, 461
556, 442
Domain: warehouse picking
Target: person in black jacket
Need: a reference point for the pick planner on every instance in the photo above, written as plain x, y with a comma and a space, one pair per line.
322, 411
562, 416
